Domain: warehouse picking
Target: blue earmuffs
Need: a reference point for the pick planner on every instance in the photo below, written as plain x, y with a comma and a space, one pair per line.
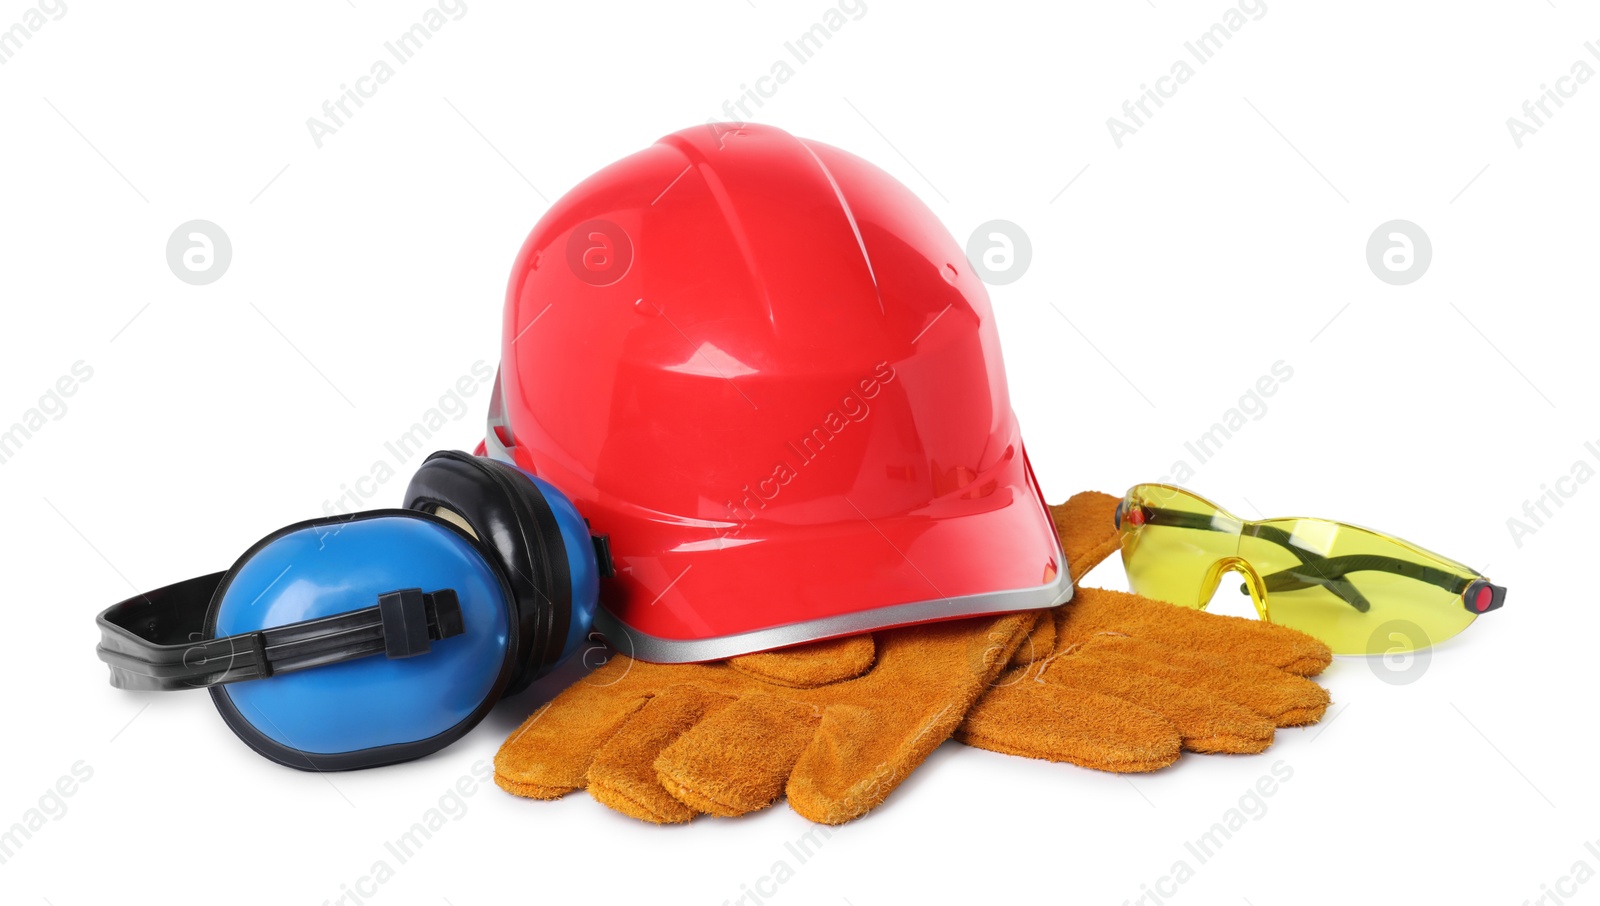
368, 639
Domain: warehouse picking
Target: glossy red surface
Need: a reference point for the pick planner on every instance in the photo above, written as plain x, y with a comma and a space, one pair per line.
764, 368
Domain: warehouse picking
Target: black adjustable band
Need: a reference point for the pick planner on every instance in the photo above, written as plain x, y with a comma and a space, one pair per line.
154, 642
1314, 566
1293, 579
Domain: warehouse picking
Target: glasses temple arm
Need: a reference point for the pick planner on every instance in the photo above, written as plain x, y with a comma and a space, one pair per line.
1333, 581
1291, 579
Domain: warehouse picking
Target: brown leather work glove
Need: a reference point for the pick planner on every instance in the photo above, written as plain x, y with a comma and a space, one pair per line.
1119, 682
1115, 681
1126, 683
1110, 681
665, 742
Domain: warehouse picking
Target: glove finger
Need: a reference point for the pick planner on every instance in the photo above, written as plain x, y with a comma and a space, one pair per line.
623, 773
1207, 722
1044, 720
877, 729
549, 755
813, 665
840, 775
738, 758
1094, 610
1288, 699
1038, 644
1087, 529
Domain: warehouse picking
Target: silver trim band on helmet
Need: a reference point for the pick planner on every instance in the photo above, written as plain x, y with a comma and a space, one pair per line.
497, 419
660, 650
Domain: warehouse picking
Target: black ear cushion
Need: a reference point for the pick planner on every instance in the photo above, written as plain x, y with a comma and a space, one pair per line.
513, 520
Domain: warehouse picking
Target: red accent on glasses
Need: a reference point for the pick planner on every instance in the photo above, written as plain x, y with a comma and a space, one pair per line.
1484, 598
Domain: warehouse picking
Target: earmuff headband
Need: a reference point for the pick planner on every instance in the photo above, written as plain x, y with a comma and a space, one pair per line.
155, 641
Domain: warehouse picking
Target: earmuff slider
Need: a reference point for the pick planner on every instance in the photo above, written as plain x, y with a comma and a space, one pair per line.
406, 616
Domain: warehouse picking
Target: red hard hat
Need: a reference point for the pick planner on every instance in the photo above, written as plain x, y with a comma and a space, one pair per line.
765, 370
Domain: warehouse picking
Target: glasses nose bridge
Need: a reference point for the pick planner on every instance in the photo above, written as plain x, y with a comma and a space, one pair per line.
1253, 583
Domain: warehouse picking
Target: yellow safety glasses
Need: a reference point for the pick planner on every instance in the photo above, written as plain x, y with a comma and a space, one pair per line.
1359, 591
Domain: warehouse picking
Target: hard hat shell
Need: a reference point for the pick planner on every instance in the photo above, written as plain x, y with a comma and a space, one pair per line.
766, 371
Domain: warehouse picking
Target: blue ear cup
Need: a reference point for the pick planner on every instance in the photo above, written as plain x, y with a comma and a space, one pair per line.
372, 710
588, 560
537, 535
363, 640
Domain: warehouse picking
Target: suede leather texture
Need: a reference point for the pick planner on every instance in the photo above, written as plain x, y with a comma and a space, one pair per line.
1110, 681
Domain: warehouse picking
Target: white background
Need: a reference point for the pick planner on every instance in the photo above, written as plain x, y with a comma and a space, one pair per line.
1228, 233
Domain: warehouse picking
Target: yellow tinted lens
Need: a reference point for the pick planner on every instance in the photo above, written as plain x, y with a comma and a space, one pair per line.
1358, 591
1170, 541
